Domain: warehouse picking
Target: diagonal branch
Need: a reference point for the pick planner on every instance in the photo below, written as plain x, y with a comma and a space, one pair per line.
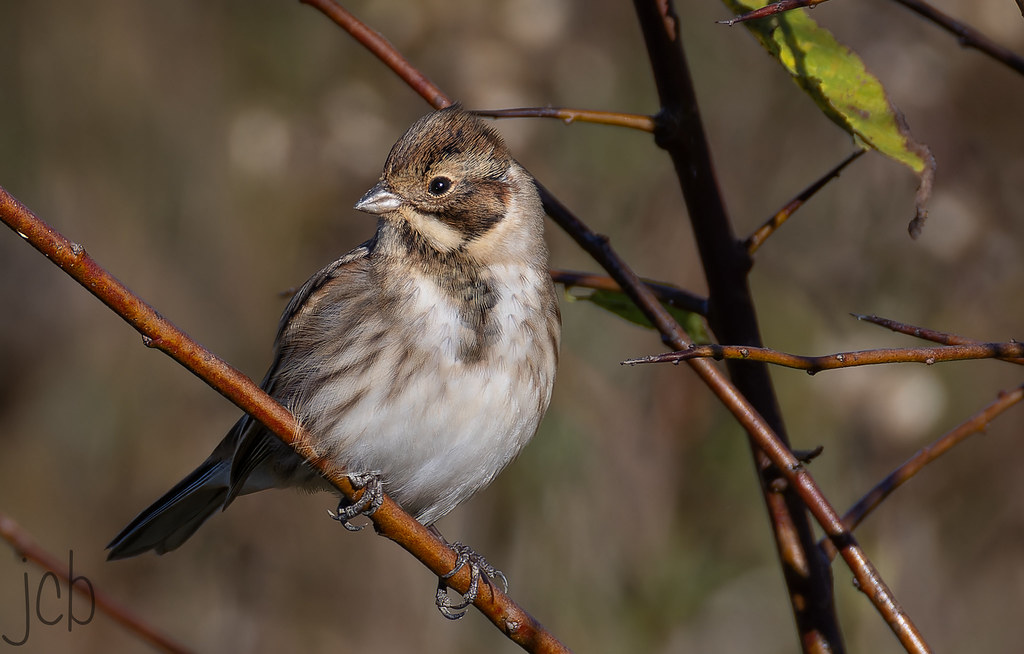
966, 35
389, 520
973, 425
789, 467
814, 365
761, 234
375, 42
26, 547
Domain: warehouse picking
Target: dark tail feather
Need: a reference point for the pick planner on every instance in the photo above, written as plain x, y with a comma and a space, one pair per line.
173, 518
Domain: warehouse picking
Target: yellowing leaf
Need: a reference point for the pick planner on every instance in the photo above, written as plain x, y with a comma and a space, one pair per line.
836, 79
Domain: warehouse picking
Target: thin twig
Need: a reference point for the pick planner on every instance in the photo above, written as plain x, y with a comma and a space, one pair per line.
761, 234
927, 334
770, 10
390, 520
633, 121
373, 41
966, 35
26, 547
814, 365
667, 293
973, 425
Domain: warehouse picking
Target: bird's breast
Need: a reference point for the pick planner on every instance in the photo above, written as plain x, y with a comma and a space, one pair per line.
461, 398
466, 320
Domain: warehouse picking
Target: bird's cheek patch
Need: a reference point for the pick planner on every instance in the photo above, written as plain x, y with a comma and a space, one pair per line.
442, 236
475, 213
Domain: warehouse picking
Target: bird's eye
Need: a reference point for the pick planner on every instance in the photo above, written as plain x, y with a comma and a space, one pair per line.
439, 185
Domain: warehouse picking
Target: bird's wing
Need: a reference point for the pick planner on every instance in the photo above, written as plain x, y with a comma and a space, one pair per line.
254, 442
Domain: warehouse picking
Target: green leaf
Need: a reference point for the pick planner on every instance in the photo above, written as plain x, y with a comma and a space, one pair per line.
619, 303
836, 79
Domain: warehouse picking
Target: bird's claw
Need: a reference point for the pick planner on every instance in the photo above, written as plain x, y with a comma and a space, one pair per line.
478, 566
368, 502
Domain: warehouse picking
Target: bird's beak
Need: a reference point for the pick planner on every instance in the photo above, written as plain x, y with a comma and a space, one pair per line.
379, 199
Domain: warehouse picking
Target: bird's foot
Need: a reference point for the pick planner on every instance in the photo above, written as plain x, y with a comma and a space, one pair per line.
368, 502
478, 566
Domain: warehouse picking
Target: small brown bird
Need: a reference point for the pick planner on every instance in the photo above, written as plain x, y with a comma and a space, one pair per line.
424, 358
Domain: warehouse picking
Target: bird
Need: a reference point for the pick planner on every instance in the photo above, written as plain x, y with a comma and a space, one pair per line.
423, 360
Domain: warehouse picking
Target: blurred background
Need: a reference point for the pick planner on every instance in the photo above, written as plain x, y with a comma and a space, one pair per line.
209, 154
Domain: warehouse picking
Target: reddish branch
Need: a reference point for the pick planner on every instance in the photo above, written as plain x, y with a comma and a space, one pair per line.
973, 425
633, 121
770, 10
157, 332
27, 548
375, 42
926, 355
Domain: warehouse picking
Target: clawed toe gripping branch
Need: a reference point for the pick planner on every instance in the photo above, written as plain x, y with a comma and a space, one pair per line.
369, 501
478, 568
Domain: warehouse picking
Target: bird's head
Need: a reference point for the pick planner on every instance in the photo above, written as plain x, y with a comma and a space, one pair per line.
452, 181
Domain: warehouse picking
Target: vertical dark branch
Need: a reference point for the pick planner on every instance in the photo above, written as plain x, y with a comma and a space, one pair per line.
732, 316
